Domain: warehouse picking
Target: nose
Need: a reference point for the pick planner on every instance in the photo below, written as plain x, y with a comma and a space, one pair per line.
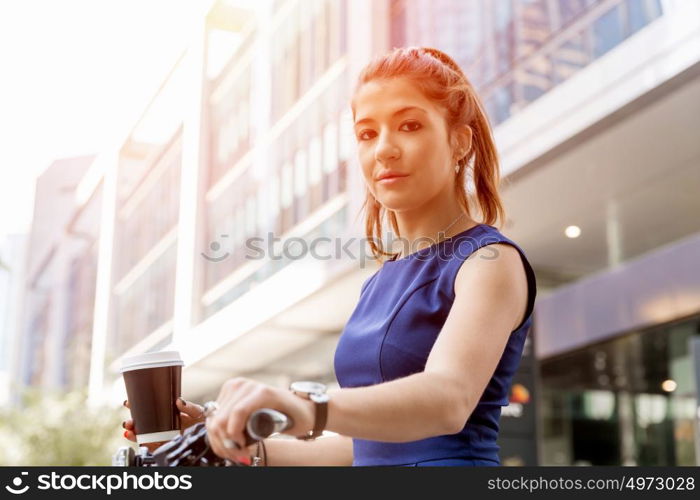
386, 150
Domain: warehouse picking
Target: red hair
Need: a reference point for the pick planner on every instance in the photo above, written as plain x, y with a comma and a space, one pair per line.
441, 80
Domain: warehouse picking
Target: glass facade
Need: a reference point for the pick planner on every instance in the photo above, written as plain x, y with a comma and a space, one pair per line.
328, 228
230, 125
146, 246
306, 44
308, 169
77, 343
39, 322
515, 51
307, 154
628, 401
150, 213
148, 303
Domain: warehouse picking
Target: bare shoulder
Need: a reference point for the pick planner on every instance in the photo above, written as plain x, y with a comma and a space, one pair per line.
495, 270
494, 261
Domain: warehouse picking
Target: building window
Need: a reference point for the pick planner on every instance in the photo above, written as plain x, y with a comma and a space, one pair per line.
315, 162
535, 78
330, 147
287, 186
300, 173
596, 398
499, 105
569, 10
640, 13
275, 195
607, 32
230, 115
148, 303
240, 225
154, 213
263, 203
568, 58
250, 211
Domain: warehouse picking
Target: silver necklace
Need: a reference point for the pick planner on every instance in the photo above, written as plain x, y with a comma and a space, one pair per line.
451, 224
444, 230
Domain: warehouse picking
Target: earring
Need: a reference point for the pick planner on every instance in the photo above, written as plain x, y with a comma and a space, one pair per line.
457, 168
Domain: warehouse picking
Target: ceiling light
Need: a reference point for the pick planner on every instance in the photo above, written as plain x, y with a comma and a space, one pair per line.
572, 232
669, 385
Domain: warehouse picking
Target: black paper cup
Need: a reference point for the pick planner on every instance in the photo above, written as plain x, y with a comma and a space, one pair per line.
153, 383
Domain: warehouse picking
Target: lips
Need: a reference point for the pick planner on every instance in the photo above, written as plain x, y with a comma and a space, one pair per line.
390, 175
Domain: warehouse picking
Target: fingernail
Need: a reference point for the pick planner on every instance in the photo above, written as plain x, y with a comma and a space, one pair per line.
126, 434
184, 403
124, 424
124, 403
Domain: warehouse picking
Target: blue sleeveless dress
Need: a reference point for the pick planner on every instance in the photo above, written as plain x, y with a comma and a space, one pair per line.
389, 335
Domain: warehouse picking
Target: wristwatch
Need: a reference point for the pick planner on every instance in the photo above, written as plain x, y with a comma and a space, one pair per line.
315, 392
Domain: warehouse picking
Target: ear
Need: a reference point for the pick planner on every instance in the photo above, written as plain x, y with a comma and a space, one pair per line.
462, 141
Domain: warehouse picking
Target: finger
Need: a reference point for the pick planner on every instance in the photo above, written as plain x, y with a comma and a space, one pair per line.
130, 435
190, 409
128, 424
186, 421
215, 441
232, 393
126, 403
222, 444
218, 429
238, 417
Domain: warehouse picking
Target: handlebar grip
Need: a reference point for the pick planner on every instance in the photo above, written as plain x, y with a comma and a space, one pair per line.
265, 422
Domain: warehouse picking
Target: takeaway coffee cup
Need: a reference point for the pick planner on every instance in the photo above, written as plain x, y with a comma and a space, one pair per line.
153, 382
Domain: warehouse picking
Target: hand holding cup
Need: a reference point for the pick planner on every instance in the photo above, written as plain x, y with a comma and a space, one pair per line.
190, 414
153, 382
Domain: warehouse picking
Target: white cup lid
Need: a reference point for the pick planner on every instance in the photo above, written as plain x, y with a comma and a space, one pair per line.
151, 360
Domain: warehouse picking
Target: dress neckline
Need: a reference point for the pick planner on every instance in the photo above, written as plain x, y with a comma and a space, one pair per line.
435, 245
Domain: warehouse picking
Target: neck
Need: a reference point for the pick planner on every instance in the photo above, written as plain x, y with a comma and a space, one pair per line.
428, 224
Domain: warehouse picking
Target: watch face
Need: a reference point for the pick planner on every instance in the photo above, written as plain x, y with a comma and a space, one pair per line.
308, 387
319, 397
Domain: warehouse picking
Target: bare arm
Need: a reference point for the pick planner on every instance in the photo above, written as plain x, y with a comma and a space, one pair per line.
324, 451
490, 301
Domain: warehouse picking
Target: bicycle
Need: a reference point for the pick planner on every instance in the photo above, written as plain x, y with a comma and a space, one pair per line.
192, 449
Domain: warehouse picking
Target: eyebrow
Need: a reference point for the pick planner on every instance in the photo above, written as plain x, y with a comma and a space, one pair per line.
398, 112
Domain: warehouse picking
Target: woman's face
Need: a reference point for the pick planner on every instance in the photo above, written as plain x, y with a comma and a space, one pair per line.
400, 131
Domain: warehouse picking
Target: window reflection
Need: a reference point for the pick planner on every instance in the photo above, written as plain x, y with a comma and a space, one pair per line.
607, 31
230, 125
147, 304
303, 170
530, 44
304, 50
147, 241
608, 404
151, 210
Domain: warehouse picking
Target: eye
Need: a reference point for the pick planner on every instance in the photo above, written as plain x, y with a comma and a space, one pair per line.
415, 125
361, 135
412, 127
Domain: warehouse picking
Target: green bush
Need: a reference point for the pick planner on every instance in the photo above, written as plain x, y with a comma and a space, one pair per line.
59, 429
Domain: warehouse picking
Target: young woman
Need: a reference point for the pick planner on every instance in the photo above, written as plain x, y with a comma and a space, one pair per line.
427, 358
